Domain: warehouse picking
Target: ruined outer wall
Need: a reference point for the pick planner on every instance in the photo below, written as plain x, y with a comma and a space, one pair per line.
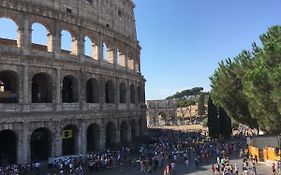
99, 21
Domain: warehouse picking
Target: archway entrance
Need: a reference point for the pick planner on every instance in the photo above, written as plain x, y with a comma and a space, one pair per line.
41, 88
69, 140
93, 138
124, 133
8, 87
133, 129
110, 135
40, 144
162, 118
8, 147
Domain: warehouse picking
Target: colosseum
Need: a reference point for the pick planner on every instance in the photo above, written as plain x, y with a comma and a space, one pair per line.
56, 101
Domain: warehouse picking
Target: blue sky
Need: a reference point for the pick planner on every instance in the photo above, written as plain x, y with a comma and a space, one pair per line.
184, 40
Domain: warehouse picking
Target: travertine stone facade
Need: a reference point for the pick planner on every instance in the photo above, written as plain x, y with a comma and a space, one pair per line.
55, 102
161, 112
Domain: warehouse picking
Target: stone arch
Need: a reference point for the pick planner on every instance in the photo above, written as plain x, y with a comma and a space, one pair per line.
69, 140
70, 89
109, 92
110, 135
40, 42
41, 88
9, 87
130, 59
8, 38
121, 59
92, 91
8, 147
108, 50
88, 47
122, 93
132, 94
124, 133
40, 144
133, 129
93, 137
66, 41
162, 118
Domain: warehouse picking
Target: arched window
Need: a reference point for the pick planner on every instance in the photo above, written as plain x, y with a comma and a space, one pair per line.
88, 45
92, 91
109, 92
132, 94
41, 88
39, 37
105, 52
66, 41
122, 93
8, 38
70, 89
8, 87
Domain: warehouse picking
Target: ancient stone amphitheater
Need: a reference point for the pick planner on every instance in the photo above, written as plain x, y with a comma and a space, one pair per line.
56, 102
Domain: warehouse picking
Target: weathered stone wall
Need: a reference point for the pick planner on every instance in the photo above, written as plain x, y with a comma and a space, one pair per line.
164, 108
110, 22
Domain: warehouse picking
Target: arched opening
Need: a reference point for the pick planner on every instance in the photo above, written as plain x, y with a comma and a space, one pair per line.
110, 135
8, 147
109, 92
41, 88
40, 144
122, 93
8, 38
105, 52
133, 129
92, 91
124, 129
8, 87
66, 41
93, 137
39, 37
118, 56
162, 118
88, 46
70, 89
132, 94
69, 140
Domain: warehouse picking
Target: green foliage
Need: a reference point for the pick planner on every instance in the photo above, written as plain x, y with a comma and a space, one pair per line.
201, 104
186, 93
248, 86
205, 122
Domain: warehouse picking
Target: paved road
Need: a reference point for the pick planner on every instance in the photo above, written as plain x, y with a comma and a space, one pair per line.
262, 169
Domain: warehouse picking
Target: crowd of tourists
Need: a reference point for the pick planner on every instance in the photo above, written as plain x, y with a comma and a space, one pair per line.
163, 152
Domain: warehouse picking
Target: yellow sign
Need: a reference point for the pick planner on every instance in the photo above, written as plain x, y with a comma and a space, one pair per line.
67, 134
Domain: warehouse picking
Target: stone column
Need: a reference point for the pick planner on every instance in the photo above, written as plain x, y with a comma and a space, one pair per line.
117, 95
22, 144
82, 142
25, 35
100, 49
102, 139
117, 134
80, 45
126, 58
129, 137
102, 92
58, 97
128, 101
56, 41
25, 89
57, 143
